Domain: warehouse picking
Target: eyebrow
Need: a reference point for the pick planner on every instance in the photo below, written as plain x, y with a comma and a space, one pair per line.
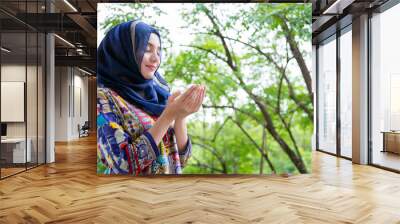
159, 48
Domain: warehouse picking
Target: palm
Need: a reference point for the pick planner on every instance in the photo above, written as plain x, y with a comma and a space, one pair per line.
187, 103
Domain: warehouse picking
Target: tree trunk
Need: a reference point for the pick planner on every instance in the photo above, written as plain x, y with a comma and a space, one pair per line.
294, 48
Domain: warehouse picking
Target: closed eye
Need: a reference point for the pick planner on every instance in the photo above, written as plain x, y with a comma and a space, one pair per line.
150, 49
152, 46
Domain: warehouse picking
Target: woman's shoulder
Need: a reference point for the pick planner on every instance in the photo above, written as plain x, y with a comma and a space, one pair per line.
106, 96
103, 90
105, 93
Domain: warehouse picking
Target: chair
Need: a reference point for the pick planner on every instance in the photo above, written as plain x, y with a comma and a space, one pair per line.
84, 130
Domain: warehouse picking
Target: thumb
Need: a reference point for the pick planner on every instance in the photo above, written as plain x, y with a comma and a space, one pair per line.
174, 96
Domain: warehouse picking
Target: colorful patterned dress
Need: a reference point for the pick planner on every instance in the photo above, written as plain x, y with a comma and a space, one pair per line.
125, 147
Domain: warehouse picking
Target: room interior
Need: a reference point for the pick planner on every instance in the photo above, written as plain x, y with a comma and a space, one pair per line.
48, 171
385, 87
22, 101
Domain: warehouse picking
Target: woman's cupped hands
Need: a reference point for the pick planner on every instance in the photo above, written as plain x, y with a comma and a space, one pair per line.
181, 105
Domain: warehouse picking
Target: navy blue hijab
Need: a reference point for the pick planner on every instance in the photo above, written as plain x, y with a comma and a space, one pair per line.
118, 67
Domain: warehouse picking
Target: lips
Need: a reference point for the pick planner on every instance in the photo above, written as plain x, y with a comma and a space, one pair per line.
151, 67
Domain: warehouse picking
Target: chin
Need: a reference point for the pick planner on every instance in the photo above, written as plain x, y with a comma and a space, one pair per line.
149, 76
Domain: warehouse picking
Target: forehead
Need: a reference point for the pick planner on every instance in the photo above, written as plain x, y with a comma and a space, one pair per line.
154, 40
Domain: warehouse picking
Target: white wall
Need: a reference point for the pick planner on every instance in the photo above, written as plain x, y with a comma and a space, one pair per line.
360, 90
61, 103
346, 94
71, 94
387, 67
80, 110
11, 73
50, 93
327, 96
385, 74
34, 124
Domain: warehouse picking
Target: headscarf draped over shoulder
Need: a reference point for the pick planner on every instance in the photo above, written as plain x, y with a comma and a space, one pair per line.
118, 67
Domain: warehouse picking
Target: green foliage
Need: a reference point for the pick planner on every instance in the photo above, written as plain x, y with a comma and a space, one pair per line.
124, 12
226, 139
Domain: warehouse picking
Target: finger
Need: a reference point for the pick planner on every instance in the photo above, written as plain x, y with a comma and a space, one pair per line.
200, 100
191, 101
174, 96
197, 101
204, 93
201, 95
188, 92
185, 100
195, 96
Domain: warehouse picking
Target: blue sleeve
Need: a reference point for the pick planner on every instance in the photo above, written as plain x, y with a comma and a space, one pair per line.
185, 155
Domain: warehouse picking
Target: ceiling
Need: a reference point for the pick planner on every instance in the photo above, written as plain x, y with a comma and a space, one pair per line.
328, 13
75, 23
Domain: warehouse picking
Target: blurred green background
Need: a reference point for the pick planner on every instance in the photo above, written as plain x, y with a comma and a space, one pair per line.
255, 60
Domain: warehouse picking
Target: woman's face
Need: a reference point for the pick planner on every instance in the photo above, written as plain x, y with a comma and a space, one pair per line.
151, 57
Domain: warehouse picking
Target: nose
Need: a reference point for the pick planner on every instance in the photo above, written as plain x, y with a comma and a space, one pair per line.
155, 57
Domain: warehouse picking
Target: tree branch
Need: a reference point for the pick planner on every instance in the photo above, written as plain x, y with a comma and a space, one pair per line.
294, 47
208, 51
202, 165
271, 166
263, 140
281, 69
258, 49
219, 129
214, 152
292, 95
219, 34
297, 161
235, 109
287, 127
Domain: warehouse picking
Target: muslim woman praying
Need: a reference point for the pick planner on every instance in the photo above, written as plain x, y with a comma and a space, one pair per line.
141, 127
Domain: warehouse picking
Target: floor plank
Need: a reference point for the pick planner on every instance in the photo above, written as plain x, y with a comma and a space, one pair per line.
69, 191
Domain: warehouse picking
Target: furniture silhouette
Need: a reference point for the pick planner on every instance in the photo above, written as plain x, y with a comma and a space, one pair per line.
391, 141
84, 130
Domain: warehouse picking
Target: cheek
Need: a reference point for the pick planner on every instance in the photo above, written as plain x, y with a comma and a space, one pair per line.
144, 62
145, 58
142, 68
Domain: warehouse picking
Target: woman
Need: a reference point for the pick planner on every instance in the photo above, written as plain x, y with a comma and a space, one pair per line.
141, 128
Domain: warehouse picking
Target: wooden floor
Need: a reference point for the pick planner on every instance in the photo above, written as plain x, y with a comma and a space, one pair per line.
5, 172
69, 191
10, 171
387, 159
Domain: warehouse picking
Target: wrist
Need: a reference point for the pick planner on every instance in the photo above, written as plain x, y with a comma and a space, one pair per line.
180, 119
168, 115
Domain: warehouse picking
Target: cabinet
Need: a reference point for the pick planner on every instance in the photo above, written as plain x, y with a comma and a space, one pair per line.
391, 142
13, 150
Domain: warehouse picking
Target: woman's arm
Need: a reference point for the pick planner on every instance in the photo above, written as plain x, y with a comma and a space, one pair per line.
118, 151
171, 112
181, 133
178, 106
180, 128
161, 126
